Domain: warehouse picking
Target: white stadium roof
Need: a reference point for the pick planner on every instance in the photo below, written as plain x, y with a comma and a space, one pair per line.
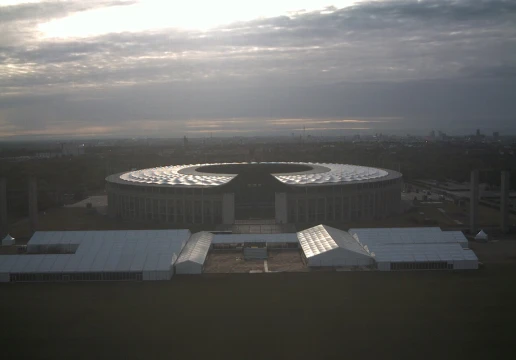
336, 173
187, 175
171, 175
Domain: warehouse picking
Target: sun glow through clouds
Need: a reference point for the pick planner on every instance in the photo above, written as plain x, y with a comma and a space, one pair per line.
188, 15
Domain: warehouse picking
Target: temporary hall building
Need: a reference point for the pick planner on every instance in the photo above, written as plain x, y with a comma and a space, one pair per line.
96, 255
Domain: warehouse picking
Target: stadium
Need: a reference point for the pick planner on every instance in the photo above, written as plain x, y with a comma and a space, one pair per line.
223, 193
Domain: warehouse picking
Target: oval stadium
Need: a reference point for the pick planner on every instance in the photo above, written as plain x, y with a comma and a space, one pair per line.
223, 193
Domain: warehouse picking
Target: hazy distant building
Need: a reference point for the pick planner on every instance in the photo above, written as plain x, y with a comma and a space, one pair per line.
285, 192
48, 155
72, 149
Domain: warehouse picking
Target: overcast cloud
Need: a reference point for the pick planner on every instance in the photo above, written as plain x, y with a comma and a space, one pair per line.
381, 65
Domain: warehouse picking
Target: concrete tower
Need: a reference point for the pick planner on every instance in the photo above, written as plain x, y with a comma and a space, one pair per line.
473, 202
33, 204
504, 201
4, 227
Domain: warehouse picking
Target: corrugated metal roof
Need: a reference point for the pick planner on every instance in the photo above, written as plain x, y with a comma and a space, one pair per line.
196, 249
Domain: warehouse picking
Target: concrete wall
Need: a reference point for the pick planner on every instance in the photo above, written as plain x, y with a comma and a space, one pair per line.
33, 204
473, 203
4, 228
504, 201
281, 208
152, 206
371, 201
228, 208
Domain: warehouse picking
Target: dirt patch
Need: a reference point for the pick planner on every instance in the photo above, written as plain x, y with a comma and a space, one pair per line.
230, 262
286, 260
501, 251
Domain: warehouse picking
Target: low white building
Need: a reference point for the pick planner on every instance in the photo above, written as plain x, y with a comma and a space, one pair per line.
72, 149
96, 256
481, 236
8, 240
193, 256
416, 248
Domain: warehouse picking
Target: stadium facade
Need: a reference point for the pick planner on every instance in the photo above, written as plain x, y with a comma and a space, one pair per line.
285, 192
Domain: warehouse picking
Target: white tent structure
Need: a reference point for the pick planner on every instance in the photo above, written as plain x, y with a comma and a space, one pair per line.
481, 236
416, 248
96, 256
191, 260
325, 246
8, 240
417, 235
424, 257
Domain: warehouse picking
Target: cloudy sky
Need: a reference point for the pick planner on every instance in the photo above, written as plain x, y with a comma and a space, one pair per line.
232, 67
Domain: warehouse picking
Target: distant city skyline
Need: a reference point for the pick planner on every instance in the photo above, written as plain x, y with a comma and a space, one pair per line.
169, 69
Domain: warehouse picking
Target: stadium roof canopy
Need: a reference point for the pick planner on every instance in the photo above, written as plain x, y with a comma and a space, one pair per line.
187, 175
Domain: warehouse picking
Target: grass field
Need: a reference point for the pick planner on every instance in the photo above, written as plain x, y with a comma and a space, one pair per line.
418, 315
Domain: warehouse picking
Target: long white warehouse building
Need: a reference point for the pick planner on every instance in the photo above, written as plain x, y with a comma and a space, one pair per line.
96, 255
158, 254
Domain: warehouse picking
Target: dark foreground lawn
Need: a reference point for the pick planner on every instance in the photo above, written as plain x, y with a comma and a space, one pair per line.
432, 315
